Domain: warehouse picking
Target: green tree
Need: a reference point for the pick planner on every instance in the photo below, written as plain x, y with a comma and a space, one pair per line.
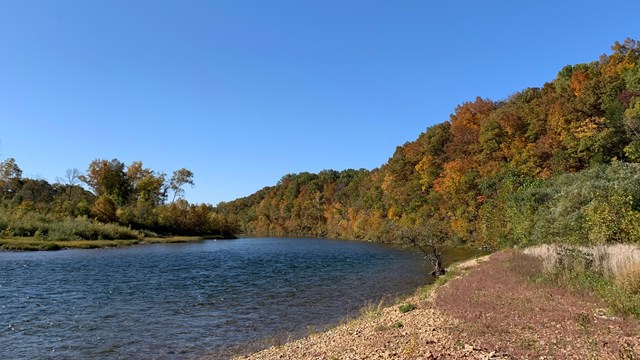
146, 185
108, 178
10, 174
37, 191
72, 200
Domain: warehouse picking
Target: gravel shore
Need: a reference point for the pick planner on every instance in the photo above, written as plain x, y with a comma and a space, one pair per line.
387, 333
489, 312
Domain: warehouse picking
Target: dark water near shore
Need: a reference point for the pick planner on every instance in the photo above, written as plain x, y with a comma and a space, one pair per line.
189, 300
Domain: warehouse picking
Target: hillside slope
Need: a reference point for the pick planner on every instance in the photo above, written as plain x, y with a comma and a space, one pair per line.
489, 173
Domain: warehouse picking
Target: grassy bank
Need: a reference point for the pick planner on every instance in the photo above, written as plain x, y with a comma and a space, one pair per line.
39, 244
35, 244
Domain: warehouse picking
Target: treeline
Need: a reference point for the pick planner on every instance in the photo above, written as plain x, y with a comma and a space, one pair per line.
124, 202
549, 163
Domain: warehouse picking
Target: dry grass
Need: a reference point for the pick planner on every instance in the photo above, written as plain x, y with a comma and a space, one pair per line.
373, 310
628, 279
548, 254
608, 259
619, 257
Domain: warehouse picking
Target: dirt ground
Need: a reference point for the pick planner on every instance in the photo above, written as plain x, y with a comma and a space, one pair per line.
499, 309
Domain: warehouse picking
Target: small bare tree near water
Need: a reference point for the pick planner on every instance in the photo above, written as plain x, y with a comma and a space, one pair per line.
430, 242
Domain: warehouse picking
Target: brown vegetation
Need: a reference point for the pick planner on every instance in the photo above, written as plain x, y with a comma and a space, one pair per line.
629, 278
500, 308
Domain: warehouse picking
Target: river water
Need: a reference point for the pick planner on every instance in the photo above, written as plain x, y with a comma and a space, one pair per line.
177, 301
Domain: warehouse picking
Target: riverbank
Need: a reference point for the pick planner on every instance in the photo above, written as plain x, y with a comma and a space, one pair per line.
37, 244
488, 309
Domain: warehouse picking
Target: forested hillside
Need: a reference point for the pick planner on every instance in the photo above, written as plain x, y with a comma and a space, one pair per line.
549, 163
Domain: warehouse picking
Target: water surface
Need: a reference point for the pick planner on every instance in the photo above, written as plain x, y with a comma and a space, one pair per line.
189, 300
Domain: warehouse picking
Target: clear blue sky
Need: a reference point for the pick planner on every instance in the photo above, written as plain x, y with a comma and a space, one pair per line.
243, 92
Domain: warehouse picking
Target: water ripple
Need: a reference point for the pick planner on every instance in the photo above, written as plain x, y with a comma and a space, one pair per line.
186, 300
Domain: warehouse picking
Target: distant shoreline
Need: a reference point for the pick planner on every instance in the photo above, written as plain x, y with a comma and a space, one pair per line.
23, 244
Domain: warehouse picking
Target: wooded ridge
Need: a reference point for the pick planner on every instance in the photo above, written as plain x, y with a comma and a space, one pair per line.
557, 163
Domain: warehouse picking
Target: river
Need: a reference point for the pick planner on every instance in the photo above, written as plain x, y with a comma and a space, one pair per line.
179, 301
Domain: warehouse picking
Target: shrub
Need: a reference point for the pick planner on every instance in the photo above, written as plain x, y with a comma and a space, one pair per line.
572, 262
404, 308
49, 228
593, 207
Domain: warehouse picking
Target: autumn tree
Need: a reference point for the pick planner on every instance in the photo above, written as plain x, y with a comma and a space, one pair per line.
37, 191
179, 179
72, 200
464, 176
108, 178
10, 174
146, 185
104, 209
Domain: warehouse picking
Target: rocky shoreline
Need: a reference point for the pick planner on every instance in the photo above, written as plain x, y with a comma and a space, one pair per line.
488, 311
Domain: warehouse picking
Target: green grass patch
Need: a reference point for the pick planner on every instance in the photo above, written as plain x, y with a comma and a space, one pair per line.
174, 239
441, 280
97, 244
405, 308
77, 228
35, 244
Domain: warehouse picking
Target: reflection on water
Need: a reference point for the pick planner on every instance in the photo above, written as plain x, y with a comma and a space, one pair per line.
187, 300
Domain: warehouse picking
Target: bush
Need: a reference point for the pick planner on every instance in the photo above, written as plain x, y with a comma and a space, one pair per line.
404, 308
47, 227
597, 206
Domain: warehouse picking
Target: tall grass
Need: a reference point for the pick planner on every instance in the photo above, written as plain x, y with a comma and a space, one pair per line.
607, 259
628, 279
46, 227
